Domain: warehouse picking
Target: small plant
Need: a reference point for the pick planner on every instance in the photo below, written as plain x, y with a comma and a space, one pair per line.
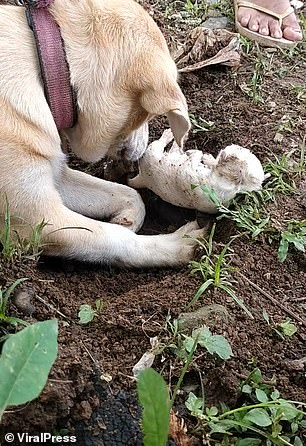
245, 211
285, 171
13, 246
4, 299
152, 388
295, 235
189, 12
215, 270
86, 313
200, 124
282, 329
195, 8
214, 344
286, 125
268, 420
25, 363
300, 91
225, 7
253, 89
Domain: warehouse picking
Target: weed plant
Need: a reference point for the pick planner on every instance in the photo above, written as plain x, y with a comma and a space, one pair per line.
13, 246
215, 270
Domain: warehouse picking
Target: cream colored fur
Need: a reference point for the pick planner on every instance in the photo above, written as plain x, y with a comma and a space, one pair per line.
123, 74
170, 174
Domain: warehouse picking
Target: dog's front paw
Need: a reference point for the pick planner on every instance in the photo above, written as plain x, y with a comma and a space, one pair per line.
187, 240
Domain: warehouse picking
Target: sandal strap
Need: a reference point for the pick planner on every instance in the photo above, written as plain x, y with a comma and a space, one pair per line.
279, 16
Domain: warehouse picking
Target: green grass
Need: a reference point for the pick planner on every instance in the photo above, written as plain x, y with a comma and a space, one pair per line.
13, 246
4, 302
215, 271
294, 235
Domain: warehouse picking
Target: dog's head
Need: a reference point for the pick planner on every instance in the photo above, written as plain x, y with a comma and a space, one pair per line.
238, 168
123, 73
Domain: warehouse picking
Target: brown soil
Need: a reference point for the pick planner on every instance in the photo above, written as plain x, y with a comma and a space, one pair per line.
136, 304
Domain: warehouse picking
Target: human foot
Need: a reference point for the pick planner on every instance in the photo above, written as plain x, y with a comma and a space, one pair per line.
271, 19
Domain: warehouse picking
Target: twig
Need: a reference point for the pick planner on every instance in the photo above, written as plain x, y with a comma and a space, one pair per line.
89, 354
298, 299
60, 381
52, 308
272, 299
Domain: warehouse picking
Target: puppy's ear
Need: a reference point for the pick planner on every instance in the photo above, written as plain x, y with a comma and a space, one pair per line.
169, 101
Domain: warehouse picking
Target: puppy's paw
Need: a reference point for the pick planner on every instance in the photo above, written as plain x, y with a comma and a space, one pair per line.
166, 137
209, 160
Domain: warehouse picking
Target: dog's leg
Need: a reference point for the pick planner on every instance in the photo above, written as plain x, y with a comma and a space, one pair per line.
101, 199
32, 196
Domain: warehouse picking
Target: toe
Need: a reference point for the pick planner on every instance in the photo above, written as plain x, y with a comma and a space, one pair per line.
292, 34
244, 16
275, 30
291, 28
253, 24
264, 26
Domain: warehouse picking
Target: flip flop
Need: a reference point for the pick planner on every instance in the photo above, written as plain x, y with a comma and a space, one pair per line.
253, 35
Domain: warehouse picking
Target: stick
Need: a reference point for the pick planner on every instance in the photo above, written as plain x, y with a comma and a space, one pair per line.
52, 307
275, 301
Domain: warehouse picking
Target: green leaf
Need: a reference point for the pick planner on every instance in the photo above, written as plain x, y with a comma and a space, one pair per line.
99, 304
261, 396
287, 411
287, 328
154, 398
248, 442
194, 404
188, 343
297, 441
25, 363
220, 427
218, 345
266, 316
275, 395
211, 195
212, 411
255, 376
282, 250
247, 389
299, 245
294, 427
86, 314
258, 416
214, 344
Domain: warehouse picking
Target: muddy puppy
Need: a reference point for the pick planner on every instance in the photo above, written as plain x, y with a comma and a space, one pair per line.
170, 174
123, 75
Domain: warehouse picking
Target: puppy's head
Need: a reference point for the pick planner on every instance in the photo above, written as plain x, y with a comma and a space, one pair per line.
239, 167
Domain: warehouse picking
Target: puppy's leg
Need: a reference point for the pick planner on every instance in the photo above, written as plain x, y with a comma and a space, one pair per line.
209, 160
101, 199
194, 159
157, 147
153, 155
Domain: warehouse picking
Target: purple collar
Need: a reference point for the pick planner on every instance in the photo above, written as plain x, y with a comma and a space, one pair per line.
53, 63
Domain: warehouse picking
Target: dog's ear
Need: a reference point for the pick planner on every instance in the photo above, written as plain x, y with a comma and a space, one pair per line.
169, 100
